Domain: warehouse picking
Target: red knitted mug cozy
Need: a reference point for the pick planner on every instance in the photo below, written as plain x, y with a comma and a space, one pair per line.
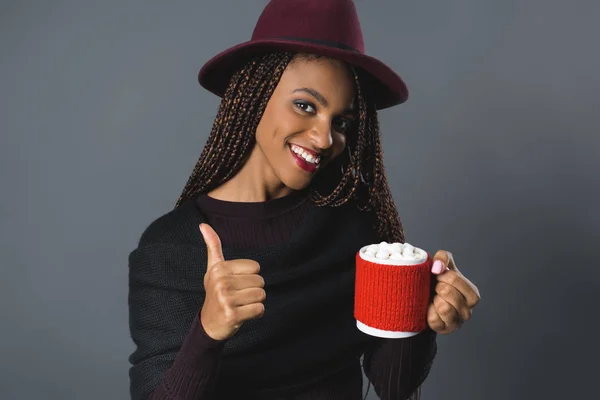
392, 297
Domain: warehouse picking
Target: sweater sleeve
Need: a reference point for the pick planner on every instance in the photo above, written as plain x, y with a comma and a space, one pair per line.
194, 371
398, 367
174, 358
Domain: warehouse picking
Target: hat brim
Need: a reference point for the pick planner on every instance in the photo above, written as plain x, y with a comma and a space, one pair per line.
384, 87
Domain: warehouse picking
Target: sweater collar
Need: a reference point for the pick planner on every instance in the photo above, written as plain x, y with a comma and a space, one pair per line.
252, 210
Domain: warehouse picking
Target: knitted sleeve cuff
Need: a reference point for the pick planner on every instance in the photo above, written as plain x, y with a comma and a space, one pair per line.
193, 375
199, 350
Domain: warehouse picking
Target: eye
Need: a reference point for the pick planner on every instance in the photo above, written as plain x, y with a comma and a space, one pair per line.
342, 124
305, 106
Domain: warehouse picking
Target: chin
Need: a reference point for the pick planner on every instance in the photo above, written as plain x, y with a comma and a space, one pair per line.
295, 182
296, 185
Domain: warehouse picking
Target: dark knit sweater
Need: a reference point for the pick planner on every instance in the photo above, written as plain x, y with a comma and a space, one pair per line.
192, 366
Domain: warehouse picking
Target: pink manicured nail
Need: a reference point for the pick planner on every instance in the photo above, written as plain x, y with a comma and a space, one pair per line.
437, 267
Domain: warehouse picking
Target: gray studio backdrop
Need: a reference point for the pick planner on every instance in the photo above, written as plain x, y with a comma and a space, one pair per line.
495, 157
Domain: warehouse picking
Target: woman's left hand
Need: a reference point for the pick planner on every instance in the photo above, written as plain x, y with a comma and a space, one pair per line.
455, 295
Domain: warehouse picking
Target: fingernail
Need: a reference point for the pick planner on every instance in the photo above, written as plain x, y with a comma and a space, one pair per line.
437, 267
201, 229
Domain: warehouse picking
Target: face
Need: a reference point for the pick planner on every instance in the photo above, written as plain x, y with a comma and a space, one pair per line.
306, 121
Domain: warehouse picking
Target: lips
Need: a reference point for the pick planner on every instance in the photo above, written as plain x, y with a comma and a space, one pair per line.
302, 163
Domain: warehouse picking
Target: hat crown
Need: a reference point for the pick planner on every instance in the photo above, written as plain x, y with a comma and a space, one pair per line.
330, 21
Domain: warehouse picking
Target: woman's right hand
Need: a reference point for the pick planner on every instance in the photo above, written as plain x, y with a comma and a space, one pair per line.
234, 290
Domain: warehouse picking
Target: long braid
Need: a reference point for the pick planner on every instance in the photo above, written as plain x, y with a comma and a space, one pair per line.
233, 136
366, 171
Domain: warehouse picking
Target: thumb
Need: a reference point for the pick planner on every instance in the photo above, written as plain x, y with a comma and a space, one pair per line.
213, 245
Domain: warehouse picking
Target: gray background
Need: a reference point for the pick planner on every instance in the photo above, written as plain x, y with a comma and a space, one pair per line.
495, 157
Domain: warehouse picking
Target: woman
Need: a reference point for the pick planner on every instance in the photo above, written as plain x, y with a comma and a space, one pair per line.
245, 289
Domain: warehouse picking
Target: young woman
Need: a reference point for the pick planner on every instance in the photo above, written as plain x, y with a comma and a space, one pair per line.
245, 289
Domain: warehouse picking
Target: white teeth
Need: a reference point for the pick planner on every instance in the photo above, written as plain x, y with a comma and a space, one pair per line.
307, 156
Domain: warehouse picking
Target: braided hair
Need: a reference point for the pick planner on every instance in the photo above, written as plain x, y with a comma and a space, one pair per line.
361, 178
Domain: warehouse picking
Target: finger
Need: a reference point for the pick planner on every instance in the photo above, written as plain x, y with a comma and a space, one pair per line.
455, 298
463, 285
443, 261
243, 267
250, 311
249, 296
451, 264
447, 313
240, 282
433, 319
213, 244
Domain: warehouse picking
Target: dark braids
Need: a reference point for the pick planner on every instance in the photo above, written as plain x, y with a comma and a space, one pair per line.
233, 136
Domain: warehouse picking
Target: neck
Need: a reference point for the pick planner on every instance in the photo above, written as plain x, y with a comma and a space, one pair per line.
255, 182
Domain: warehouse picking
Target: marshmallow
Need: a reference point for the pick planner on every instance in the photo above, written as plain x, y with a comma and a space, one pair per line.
397, 247
408, 252
385, 246
393, 253
373, 248
382, 255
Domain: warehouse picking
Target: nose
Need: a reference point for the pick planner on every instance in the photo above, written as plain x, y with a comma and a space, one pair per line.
320, 136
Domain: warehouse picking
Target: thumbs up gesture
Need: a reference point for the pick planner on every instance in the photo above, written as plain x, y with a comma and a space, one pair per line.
234, 290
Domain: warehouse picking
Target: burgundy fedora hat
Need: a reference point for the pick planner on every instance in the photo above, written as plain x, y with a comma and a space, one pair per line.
325, 27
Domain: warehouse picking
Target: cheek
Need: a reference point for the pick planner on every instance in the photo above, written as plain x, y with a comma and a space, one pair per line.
267, 127
289, 122
340, 143
277, 123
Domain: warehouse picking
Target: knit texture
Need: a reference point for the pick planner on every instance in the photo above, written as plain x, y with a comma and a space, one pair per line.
254, 225
392, 297
306, 338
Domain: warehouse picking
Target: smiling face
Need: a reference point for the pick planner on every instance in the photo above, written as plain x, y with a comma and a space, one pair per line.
305, 123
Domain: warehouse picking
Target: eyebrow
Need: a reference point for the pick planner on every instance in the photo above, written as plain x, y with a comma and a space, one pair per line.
321, 99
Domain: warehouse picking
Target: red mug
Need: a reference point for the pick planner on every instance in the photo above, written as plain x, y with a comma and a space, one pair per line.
392, 289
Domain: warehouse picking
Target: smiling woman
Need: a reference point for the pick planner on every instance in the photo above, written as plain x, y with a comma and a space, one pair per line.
246, 289
317, 103
307, 117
